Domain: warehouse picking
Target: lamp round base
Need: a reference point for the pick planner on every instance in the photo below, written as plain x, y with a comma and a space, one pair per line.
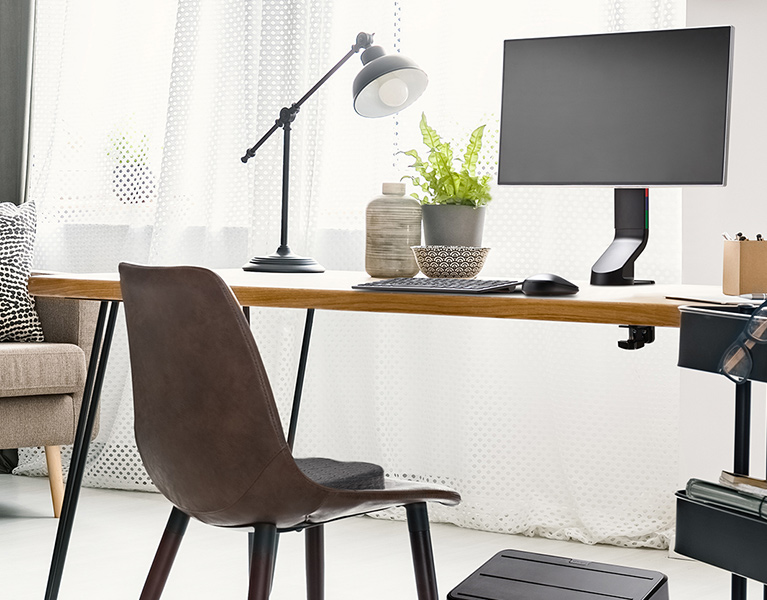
283, 263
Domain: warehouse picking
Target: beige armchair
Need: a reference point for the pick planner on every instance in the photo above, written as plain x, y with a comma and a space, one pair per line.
41, 384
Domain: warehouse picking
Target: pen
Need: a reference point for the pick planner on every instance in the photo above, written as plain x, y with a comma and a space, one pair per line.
726, 236
754, 296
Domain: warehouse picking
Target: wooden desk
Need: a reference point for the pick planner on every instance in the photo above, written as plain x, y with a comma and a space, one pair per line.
622, 305
625, 305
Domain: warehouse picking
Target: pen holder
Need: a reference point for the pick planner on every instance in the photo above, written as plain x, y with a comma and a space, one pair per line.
745, 267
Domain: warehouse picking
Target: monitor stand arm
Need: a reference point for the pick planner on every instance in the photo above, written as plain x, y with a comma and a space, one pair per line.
616, 265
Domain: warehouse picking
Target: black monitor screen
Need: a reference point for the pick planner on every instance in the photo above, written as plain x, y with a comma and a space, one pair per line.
619, 109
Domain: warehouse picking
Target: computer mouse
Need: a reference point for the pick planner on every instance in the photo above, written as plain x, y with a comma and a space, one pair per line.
548, 284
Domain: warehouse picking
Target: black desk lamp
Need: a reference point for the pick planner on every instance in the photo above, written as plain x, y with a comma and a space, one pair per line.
385, 85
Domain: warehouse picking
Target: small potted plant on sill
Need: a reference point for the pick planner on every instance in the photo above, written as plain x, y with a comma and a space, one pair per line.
132, 179
454, 199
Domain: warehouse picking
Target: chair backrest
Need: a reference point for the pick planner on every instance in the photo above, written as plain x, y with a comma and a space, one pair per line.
206, 423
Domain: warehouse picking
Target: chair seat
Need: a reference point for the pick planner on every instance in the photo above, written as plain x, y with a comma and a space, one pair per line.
38, 369
342, 475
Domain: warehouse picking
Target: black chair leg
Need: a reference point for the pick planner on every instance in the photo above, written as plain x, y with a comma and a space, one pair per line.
315, 562
263, 550
420, 545
165, 555
251, 537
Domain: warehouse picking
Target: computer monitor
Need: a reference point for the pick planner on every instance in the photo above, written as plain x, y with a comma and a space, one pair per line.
627, 110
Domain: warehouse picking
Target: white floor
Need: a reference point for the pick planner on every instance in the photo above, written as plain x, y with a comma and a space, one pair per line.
116, 533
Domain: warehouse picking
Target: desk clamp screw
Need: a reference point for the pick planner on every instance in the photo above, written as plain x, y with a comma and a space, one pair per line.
639, 335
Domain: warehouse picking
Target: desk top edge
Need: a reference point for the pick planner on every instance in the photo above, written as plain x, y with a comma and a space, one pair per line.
635, 305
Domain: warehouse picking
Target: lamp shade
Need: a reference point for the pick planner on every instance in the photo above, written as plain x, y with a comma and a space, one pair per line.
386, 84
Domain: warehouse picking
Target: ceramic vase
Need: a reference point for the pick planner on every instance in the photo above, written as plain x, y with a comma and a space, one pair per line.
392, 226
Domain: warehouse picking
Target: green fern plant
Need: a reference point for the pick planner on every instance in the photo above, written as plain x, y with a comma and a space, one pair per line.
437, 176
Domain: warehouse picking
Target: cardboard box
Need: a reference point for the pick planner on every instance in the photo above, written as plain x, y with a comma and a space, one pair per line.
745, 268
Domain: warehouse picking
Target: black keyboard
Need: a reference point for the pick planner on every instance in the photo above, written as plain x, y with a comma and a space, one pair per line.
441, 285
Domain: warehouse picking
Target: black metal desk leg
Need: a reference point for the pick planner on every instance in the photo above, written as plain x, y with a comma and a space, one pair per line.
300, 376
300, 373
741, 460
85, 422
294, 409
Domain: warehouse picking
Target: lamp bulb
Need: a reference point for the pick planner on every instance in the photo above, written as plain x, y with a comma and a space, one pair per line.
393, 92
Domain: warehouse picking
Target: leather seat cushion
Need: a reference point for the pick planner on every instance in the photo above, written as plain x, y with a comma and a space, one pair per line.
34, 369
342, 475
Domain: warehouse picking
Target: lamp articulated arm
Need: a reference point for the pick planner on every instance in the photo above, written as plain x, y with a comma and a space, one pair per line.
288, 115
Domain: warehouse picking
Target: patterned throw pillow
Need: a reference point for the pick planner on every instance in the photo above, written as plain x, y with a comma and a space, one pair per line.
18, 320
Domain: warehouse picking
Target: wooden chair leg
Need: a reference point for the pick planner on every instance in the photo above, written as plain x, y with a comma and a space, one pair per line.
165, 555
420, 545
55, 478
262, 561
315, 562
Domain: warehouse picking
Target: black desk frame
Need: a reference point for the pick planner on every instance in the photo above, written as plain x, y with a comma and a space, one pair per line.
102, 341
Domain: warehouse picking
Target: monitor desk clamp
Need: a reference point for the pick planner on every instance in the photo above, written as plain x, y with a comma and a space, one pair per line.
616, 265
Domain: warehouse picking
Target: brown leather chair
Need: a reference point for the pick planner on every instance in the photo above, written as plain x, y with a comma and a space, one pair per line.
198, 382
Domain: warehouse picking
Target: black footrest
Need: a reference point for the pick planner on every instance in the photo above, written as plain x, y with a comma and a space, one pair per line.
512, 574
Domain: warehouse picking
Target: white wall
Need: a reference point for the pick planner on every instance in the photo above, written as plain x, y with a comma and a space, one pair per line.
707, 400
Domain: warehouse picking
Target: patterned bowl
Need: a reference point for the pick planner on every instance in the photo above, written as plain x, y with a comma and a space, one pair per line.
462, 262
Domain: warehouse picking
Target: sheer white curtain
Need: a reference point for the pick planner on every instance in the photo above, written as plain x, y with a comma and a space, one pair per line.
546, 429
140, 115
